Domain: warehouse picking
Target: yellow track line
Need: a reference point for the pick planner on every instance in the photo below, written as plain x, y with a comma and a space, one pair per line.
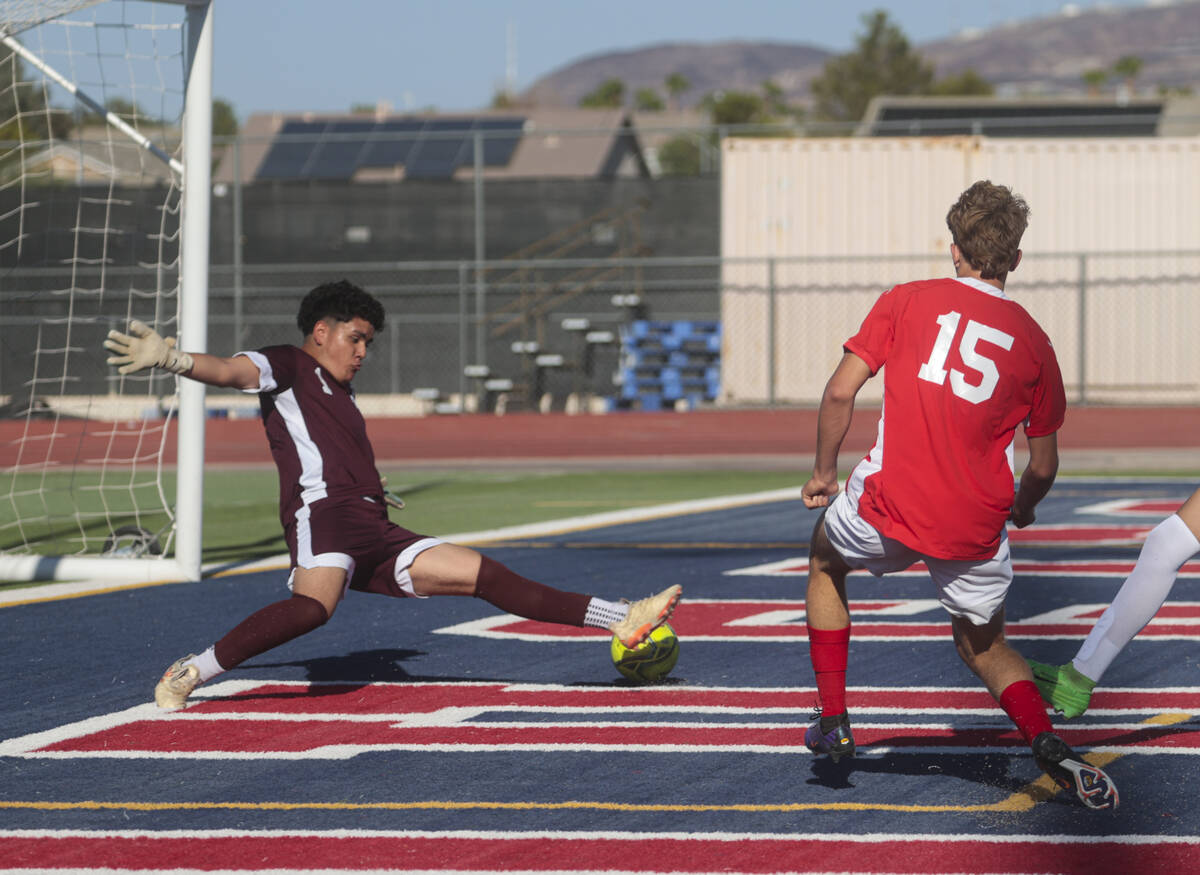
1028, 796
1024, 799
1044, 787
626, 807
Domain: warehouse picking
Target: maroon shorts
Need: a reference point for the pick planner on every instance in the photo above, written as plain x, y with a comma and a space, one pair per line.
356, 534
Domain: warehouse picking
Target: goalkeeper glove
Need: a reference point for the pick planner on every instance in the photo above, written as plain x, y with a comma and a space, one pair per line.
144, 348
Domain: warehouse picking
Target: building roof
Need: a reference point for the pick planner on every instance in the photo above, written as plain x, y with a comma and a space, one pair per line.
656, 129
96, 154
1012, 117
366, 147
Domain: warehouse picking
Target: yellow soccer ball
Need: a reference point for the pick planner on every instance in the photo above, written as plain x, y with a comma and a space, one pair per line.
650, 661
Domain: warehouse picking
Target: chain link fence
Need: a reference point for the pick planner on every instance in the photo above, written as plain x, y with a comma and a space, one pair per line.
1121, 323
551, 327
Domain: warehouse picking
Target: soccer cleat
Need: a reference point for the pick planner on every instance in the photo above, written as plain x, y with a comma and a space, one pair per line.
645, 616
1094, 788
176, 685
1063, 687
838, 742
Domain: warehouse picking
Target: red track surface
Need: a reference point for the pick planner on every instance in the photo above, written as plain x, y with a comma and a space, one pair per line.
614, 436
359, 852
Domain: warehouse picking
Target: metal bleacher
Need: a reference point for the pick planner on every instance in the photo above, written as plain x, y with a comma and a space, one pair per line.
659, 364
669, 365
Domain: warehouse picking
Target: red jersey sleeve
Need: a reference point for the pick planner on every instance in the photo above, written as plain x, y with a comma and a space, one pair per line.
1048, 409
875, 336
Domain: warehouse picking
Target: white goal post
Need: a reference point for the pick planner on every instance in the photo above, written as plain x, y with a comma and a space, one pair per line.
59, 297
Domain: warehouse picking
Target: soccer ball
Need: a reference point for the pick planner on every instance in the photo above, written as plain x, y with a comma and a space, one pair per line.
650, 661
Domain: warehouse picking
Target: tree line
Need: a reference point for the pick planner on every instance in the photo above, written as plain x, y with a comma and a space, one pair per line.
882, 63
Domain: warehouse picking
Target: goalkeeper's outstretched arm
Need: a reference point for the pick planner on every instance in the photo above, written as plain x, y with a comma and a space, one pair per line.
143, 347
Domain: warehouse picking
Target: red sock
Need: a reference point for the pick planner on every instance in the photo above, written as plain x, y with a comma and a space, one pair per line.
828, 649
269, 627
1023, 703
527, 598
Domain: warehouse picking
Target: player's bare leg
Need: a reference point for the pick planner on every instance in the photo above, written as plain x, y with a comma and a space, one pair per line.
987, 653
446, 569
825, 603
325, 585
1189, 512
449, 569
1008, 678
828, 617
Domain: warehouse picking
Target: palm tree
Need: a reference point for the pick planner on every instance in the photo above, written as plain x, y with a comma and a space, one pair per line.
676, 84
1128, 67
1094, 80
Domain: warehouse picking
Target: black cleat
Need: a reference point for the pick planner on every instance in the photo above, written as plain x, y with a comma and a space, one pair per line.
1094, 788
838, 742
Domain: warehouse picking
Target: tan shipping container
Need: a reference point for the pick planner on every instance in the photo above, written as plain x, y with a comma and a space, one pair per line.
813, 230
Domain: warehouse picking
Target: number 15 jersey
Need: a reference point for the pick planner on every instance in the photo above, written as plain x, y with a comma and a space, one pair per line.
965, 366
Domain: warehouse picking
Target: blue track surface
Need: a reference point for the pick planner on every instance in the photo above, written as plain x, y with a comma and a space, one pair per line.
517, 721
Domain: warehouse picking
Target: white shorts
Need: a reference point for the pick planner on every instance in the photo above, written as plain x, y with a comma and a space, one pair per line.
970, 588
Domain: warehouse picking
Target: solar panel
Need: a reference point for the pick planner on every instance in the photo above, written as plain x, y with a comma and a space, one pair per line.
290, 152
504, 133
439, 151
337, 154
1056, 120
426, 148
390, 143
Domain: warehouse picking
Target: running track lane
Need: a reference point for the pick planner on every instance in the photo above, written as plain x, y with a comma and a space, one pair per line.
785, 431
564, 852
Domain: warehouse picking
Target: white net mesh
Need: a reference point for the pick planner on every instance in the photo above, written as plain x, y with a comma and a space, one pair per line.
19, 15
89, 238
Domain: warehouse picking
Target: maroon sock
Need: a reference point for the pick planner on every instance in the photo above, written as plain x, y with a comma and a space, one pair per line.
1023, 703
527, 598
828, 649
269, 627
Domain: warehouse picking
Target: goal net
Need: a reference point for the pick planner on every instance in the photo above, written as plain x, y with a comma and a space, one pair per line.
105, 130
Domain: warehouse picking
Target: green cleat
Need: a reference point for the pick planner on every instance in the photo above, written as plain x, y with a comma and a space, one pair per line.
1063, 687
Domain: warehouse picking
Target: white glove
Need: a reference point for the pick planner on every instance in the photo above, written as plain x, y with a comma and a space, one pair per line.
144, 348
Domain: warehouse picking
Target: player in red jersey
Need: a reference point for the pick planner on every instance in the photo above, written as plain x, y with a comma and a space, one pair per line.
966, 366
1068, 688
331, 500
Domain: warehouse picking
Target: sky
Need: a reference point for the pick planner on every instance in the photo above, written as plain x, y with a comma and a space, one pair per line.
298, 55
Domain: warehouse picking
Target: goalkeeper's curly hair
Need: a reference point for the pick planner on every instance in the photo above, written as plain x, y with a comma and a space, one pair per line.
341, 301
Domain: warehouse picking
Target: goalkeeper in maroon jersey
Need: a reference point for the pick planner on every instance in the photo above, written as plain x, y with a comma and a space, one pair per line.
332, 503
966, 365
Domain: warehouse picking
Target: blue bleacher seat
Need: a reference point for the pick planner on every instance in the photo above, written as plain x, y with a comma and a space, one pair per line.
665, 362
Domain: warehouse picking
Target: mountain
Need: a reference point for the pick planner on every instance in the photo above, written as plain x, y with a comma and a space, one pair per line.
1033, 56
708, 67
1050, 55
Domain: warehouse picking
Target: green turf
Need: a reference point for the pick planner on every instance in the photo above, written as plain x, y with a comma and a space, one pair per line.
449, 502
241, 508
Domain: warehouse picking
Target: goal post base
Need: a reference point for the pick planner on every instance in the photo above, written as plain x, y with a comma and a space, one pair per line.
27, 569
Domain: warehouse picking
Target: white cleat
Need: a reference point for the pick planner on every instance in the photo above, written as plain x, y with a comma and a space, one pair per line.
645, 616
177, 684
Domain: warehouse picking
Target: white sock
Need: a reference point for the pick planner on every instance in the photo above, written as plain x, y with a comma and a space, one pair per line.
601, 614
206, 663
1167, 547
